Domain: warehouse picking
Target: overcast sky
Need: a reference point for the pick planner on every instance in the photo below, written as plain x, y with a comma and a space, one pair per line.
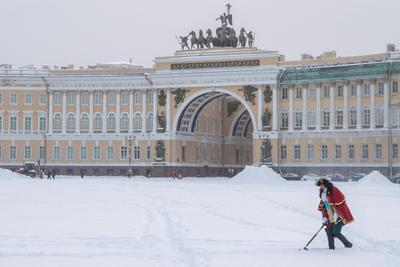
85, 32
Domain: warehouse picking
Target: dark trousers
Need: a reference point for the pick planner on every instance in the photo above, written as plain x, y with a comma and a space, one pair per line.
336, 231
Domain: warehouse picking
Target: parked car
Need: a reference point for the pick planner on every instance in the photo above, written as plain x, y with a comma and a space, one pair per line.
336, 177
356, 176
291, 176
310, 177
396, 178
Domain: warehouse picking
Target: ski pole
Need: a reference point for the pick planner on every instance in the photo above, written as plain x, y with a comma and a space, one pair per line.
313, 237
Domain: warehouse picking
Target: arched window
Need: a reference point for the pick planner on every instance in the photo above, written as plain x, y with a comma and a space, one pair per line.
111, 122
71, 122
298, 118
379, 116
284, 119
149, 121
124, 122
137, 122
98, 123
353, 116
339, 118
57, 121
311, 118
84, 121
366, 116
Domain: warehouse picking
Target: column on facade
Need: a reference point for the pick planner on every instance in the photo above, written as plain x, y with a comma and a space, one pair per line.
118, 112
154, 130
104, 111
77, 111
318, 110
332, 107
64, 112
91, 105
260, 108
386, 105
130, 111
304, 123
359, 108
290, 119
50, 116
168, 111
345, 106
372, 106
144, 111
274, 108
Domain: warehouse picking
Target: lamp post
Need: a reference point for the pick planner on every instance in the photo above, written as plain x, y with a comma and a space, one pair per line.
130, 139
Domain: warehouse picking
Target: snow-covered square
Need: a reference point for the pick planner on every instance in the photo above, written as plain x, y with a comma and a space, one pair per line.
243, 221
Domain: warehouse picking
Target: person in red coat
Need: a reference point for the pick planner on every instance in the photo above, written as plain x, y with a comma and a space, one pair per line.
335, 212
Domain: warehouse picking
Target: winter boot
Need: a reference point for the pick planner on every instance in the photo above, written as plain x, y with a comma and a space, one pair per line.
331, 241
344, 240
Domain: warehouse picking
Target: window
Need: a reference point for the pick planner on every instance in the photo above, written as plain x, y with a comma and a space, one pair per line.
124, 152
57, 99
367, 116
138, 97
364, 151
84, 151
13, 98
13, 122
299, 93
299, 119
338, 151
28, 123
394, 112
111, 99
71, 122
124, 122
149, 153
297, 152
71, 99
324, 152
96, 153
70, 153
42, 153
42, 99
110, 153
284, 93
149, 122
380, 88
339, 118
378, 151
84, 99
284, 119
312, 93
28, 99
125, 98
137, 122
111, 122
57, 121
351, 152
97, 98
56, 153
137, 152
326, 91
395, 151
283, 152
311, 118
353, 90
339, 91
395, 87
98, 123
84, 125
353, 116
150, 98
13, 152
310, 152
366, 89
326, 118
42, 124
27, 152
379, 116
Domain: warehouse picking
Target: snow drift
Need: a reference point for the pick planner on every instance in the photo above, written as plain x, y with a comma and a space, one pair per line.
7, 174
375, 177
254, 174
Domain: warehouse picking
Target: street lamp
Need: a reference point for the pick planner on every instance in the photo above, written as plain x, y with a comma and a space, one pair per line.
130, 139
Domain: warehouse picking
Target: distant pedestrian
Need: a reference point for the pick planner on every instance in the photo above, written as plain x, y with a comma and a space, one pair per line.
48, 174
53, 174
82, 174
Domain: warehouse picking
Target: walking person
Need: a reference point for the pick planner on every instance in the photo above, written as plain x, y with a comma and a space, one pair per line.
48, 174
53, 174
335, 212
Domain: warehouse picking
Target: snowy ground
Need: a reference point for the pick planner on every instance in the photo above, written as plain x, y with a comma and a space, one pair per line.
189, 222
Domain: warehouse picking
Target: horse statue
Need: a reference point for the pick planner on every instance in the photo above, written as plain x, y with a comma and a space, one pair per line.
243, 37
209, 39
193, 40
201, 41
233, 40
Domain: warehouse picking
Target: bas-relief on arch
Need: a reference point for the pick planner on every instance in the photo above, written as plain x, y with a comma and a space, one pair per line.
210, 90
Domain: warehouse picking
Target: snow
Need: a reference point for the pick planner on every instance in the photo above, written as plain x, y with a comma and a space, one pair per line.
7, 174
258, 175
116, 221
375, 177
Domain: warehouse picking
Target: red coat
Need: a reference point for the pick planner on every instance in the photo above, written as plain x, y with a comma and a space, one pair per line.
337, 201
